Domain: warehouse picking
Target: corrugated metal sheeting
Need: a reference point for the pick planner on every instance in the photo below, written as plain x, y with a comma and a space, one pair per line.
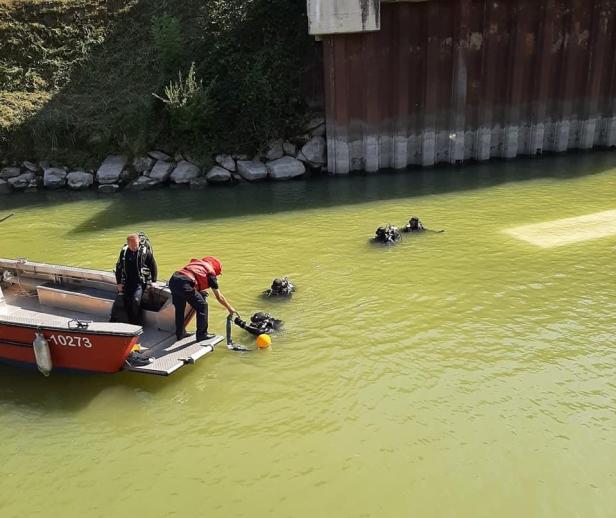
451, 80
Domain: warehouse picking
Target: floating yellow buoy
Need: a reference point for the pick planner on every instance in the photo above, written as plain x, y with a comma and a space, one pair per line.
264, 341
136, 348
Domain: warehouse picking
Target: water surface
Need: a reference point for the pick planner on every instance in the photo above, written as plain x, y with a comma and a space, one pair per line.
458, 374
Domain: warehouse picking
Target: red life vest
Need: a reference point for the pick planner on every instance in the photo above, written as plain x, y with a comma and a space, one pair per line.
199, 269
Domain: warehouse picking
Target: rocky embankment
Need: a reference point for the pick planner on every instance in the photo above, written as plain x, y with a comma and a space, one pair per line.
282, 160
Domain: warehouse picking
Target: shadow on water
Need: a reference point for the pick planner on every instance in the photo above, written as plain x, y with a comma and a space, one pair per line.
63, 393
325, 192
320, 192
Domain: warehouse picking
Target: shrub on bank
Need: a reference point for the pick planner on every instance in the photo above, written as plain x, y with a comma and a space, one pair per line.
79, 75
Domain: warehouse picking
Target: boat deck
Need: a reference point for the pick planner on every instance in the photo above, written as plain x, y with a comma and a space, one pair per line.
169, 354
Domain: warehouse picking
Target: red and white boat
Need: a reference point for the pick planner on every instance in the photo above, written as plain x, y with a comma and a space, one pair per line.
70, 307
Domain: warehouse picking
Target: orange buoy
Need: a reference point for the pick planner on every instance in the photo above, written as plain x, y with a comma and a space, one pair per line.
264, 341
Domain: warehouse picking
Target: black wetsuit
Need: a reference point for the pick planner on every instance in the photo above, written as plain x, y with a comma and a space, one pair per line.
128, 272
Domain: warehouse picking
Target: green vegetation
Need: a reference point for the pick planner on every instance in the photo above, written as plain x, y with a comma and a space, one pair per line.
81, 78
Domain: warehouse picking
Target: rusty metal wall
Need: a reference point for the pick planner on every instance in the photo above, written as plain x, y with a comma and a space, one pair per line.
452, 80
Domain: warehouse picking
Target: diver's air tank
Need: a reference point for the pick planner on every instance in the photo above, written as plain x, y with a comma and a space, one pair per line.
42, 354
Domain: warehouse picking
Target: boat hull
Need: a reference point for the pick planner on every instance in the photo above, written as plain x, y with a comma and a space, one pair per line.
70, 349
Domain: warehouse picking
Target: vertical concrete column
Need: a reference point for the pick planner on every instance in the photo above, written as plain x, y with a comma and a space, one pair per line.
596, 70
460, 82
428, 135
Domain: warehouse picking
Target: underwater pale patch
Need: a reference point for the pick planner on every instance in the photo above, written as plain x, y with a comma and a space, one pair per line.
569, 230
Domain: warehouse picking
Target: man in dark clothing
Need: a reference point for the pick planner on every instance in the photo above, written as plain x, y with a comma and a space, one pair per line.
135, 268
187, 285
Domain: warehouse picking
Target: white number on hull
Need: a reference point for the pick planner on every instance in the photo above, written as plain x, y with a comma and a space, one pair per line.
71, 341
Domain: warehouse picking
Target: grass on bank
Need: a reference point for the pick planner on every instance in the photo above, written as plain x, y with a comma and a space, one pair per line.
77, 77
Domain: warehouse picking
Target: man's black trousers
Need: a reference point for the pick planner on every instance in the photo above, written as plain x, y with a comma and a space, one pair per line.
183, 291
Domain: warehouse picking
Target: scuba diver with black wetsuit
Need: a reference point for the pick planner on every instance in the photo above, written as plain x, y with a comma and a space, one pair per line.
414, 225
136, 267
389, 235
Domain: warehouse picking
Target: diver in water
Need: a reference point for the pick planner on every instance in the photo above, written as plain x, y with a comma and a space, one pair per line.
414, 225
280, 288
389, 235
259, 323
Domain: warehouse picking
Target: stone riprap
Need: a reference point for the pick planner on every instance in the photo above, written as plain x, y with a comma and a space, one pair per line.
251, 170
285, 168
110, 170
185, 172
79, 180
280, 160
218, 175
54, 178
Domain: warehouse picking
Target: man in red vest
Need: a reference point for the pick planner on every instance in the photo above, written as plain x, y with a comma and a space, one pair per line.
187, 284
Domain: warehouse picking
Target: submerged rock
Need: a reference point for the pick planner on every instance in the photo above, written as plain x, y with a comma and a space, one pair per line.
108, 188
198, 184
143, 183
5, 187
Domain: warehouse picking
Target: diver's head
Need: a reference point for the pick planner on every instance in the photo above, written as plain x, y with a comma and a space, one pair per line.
132, 240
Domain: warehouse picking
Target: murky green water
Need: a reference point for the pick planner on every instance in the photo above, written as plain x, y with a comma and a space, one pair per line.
460, 374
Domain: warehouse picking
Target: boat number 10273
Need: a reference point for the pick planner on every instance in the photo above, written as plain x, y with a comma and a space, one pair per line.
70, 341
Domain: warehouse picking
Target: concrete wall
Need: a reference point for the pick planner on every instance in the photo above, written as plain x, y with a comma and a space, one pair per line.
343, 16
452, 80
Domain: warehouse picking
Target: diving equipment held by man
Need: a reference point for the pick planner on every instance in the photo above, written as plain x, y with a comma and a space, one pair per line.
135, 268
189, 285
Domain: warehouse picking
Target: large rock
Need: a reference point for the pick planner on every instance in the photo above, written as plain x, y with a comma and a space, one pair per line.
9, 172
159, 155
161, 171
108, 188
143, 163
218, 175
110, 170
251, 170
274, 150
54, 178
226, 161
184, 172
79, 180
5, 187
314, 151
285, 168
143, 183
30, 166
21, 182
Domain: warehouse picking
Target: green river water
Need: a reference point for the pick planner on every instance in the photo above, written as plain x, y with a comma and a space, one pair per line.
464, 374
